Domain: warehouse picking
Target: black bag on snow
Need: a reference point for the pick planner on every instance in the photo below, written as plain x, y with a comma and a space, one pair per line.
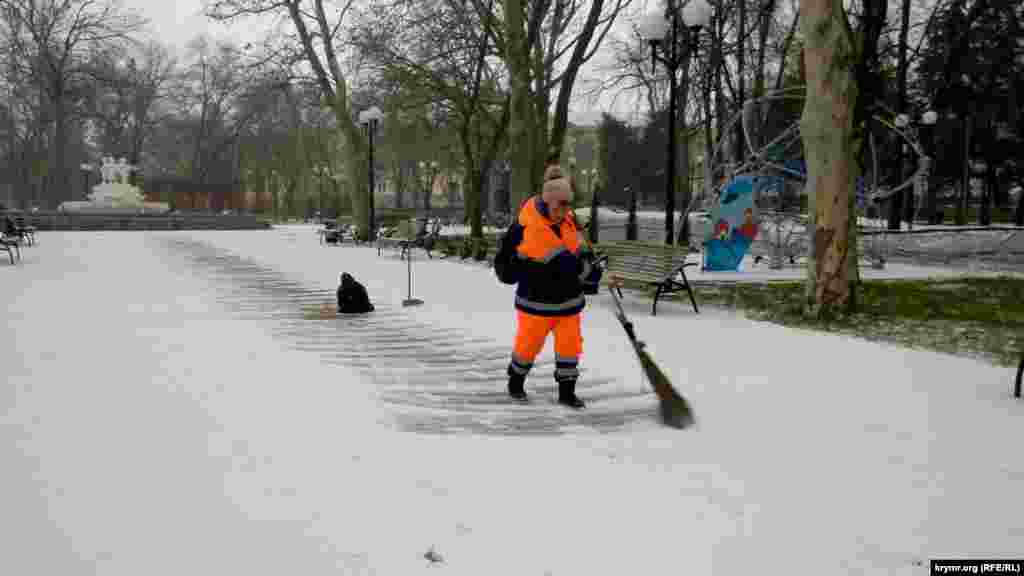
506, 261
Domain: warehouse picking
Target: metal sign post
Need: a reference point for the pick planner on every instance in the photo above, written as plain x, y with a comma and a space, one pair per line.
410, 301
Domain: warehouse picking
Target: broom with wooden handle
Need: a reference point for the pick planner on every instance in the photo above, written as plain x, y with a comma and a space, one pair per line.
675, 410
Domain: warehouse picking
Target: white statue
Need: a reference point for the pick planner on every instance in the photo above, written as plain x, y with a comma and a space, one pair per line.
115, 192
107, 170
123, 170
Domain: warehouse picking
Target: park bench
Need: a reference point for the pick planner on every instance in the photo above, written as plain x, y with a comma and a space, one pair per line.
659, 265
405, 240
11, 245
15, 229
25, 230
332, 232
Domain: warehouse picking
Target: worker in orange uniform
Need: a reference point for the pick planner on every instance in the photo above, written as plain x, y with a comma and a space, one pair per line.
556, 268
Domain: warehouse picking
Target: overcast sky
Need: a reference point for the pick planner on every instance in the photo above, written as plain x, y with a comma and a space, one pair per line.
176, 22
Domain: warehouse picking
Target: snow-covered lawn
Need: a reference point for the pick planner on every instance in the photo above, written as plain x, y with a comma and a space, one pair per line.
146, 427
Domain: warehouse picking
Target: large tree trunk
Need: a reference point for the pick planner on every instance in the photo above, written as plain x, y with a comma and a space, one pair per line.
356, 157
474, 204
827, 130
517, 57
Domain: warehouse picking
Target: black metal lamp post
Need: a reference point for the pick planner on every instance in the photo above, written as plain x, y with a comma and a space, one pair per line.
664, 30
631, 224
86, 170
321, 171
369, 119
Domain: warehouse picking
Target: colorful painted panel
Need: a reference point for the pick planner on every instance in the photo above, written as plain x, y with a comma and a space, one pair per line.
734, 226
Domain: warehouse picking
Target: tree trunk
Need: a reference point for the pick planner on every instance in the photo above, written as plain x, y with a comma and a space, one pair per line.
517, 57
900, 204
761, 112
965, 179
741, 72
709, 146
717, 38
356, 161
827, 130
1018, 217
984, 144
869, 82
57, 185
561, 119
474, 204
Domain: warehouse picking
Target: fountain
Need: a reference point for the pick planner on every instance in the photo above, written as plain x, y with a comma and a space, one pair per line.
114, 195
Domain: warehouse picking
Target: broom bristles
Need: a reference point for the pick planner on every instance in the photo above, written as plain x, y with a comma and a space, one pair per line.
675, 410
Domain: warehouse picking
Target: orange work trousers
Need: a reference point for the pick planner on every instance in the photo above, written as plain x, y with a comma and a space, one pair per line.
531, 333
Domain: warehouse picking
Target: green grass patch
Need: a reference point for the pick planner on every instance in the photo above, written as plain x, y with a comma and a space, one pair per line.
975, 317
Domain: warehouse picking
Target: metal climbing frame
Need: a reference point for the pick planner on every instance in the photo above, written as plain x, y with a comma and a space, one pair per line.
770, 160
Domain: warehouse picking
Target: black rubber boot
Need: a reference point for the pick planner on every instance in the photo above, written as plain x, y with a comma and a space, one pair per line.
567, 394
515, 386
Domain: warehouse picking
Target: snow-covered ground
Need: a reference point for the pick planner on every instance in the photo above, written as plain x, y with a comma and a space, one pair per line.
165, 410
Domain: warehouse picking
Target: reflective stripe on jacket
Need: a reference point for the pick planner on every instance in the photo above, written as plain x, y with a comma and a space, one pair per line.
552, 277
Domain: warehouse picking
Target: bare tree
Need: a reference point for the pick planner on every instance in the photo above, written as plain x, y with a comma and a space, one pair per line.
55, 39
440, 58
126, 98
532, 63
208, 95
317, 30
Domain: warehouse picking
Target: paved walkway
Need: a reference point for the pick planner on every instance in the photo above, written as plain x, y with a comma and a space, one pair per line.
437, 380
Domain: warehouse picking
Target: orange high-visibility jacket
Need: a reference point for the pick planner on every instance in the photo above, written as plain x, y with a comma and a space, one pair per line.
551, 281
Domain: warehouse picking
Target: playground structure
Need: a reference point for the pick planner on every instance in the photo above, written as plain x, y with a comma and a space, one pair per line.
774, 174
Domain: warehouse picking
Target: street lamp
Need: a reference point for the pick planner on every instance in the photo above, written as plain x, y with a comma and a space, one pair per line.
664, 30
369, 119
86, 170
631, 224
322, 172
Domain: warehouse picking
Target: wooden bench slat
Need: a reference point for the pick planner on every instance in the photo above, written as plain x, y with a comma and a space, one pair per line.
651, 263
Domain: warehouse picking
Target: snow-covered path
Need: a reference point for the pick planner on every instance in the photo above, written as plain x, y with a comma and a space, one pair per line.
164, 410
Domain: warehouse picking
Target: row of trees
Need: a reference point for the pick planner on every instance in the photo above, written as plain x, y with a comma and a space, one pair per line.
80, 80
465, 84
